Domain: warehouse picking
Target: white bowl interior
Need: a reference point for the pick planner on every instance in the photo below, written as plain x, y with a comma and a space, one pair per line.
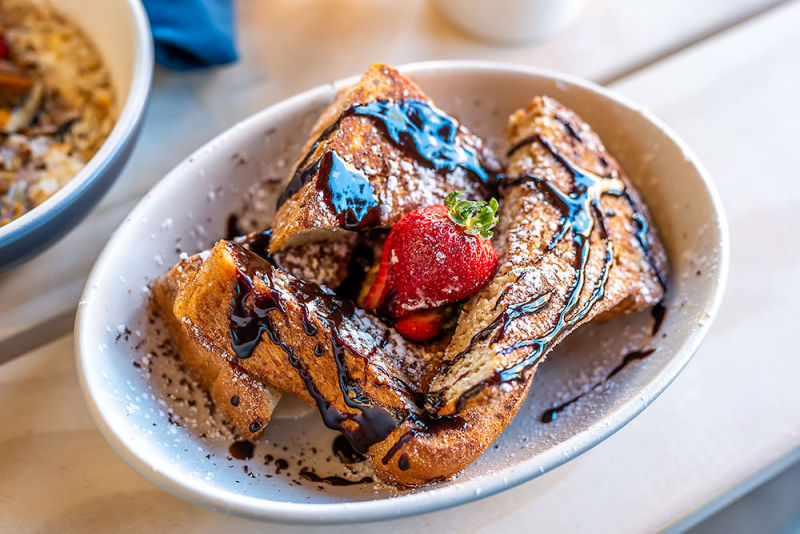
179, 446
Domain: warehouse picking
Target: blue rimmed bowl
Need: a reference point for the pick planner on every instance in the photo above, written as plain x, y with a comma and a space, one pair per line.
121, 34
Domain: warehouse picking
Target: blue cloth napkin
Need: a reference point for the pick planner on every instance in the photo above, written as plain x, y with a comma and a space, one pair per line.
191, 34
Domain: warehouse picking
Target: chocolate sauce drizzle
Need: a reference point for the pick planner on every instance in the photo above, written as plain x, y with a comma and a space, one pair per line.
402, 463
258, 243
427, 133
232, 229
255, 242
416, 126
332, 480
658, 312
280, 465
251, 316
241, 450
548, 416
569, 127
581, 213
347, 191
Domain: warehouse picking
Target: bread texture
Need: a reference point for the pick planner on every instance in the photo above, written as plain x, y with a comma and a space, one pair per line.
400, 183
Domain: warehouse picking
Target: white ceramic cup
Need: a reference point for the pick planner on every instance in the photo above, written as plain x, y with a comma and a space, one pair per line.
511, 21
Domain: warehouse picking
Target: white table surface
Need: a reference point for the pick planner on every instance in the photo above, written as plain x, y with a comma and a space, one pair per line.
729, 420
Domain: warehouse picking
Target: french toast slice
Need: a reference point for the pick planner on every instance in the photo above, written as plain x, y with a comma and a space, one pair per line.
573, 245
244, 400
364, 378
366, 164
554, 153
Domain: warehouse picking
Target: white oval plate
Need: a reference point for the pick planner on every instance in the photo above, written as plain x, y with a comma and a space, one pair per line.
161, 425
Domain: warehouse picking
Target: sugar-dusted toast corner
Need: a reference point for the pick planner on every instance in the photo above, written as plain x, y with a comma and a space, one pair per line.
357, 171
244, 400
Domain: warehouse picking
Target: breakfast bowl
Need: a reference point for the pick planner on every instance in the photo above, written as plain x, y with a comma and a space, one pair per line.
592, 384
120, 34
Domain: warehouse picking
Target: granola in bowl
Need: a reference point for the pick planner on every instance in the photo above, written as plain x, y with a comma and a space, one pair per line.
57, 104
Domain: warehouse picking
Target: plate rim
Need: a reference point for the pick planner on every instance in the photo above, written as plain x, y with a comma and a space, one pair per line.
171, 479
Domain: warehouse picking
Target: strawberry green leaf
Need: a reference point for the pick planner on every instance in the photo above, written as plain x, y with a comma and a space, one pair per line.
475, 216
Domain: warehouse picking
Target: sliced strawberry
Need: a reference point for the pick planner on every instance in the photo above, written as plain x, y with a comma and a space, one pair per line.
421, 326
379, 288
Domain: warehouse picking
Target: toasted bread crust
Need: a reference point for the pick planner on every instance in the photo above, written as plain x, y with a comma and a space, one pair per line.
400, 182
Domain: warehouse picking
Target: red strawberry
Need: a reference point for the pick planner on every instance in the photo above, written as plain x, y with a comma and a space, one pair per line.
434, 256
3, 46
421, 326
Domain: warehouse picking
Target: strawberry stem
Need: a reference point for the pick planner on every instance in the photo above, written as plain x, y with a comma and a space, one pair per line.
475, 216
